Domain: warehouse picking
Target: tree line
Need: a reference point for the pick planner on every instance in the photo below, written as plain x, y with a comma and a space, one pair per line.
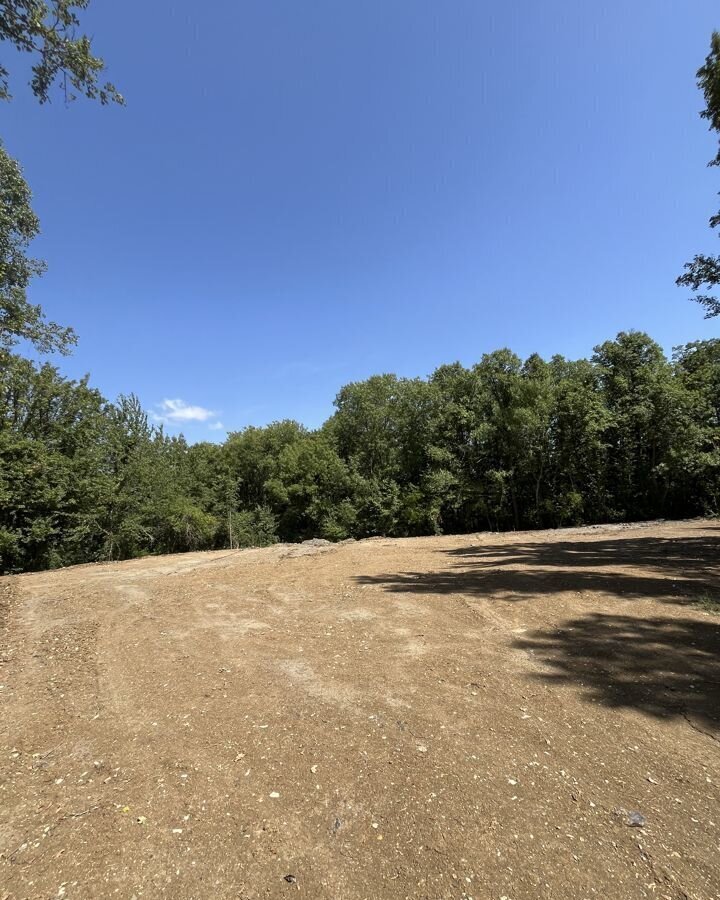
503, 444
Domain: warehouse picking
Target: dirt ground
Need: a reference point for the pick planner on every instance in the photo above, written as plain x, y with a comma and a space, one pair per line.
454, 717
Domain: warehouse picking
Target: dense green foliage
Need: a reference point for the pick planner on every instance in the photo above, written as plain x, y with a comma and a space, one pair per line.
703, 272
505, 444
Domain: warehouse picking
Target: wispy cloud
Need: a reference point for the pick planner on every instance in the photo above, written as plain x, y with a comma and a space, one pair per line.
178, 411
216, 426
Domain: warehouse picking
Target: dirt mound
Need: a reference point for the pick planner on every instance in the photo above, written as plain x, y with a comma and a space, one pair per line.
489, 716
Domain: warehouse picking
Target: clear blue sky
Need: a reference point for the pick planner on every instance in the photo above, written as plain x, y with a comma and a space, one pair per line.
299, 195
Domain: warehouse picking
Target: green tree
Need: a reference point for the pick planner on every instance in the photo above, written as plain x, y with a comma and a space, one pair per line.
382, 429
578, 485
52, 481
703, 272
47, 32
695, 461
641, 398
311, 491
19, 319
455, 467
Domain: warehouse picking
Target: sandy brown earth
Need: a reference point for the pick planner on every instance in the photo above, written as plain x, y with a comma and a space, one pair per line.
455, 717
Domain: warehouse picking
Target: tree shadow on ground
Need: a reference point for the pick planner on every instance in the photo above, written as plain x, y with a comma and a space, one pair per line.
672, 570
700, 553
664, 667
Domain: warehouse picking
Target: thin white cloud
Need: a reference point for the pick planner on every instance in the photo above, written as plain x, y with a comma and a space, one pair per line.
216, 426
177, 411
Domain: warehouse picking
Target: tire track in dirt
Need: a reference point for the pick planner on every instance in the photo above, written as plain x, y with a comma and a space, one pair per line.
381, 719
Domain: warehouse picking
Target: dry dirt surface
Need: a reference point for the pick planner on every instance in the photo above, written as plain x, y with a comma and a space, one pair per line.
483, 716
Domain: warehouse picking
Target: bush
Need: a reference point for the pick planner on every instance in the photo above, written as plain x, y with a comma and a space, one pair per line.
252, 528
187, 527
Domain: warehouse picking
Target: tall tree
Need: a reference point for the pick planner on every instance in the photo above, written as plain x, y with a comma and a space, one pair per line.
46, 31
641, 398
20, 319
703, 272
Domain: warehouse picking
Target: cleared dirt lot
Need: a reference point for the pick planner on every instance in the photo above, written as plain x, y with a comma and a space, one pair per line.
455, 717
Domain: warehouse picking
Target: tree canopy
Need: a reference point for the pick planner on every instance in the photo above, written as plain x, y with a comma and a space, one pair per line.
702, 274
20, 319
47, 32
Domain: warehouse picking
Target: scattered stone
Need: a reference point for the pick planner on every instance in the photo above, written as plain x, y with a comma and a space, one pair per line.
631, 818
291, 879
636, 820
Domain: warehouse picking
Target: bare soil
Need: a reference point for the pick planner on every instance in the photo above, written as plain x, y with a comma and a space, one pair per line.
453, 717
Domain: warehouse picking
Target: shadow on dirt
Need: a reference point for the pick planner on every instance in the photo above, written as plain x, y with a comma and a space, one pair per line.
674, 570
664, 667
